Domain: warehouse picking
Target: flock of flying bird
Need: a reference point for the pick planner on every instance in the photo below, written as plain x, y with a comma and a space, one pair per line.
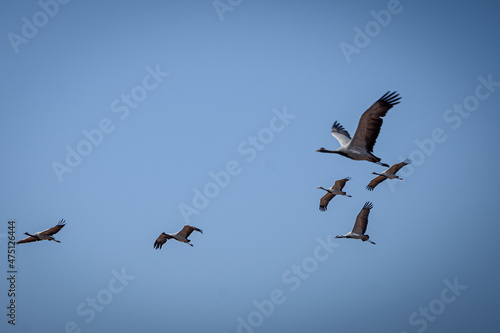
181, 236
359, 148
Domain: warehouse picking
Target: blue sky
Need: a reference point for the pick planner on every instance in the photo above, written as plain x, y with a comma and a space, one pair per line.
162, 101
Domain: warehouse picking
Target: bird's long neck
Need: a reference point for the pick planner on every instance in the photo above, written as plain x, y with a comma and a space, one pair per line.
322, 188
29, 234
329, 151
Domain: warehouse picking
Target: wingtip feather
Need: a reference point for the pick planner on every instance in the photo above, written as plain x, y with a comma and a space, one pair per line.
390, 98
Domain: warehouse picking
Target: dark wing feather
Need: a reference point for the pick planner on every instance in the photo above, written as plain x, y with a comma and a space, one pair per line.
187, 230
375, 181
325, 200
28, 240
362, 219
339, 184
370, 121
395, 168
55, 229
162, 239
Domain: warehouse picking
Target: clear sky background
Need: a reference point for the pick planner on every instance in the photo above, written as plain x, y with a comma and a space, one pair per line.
159, 139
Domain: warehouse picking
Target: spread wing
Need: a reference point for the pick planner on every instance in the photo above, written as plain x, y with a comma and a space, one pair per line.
28, 240
371, 121
375, 181
55, 229
362, 219
325, 200
340, 134
187, 230
395, 168
162, 239
339, 184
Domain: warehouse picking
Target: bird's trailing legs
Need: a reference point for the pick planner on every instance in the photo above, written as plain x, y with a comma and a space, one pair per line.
382, 164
